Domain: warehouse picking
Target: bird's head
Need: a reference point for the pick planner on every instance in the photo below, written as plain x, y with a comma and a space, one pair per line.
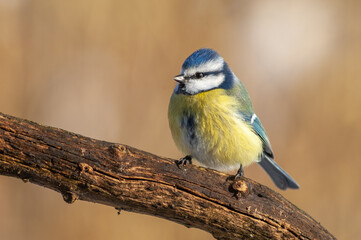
202, 71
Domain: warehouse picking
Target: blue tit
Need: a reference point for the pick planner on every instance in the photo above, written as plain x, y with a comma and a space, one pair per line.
212, 119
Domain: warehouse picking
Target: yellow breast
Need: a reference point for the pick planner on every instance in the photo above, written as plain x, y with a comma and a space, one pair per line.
208, 127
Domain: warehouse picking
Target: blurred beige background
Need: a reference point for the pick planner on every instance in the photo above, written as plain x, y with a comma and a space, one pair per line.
104, 69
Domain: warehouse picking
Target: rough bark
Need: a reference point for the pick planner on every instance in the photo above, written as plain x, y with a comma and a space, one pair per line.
133, 180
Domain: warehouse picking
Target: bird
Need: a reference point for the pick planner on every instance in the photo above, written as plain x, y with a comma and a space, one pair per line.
212, 120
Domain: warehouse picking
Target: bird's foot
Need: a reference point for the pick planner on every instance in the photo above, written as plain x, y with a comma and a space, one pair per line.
239, 187
238, 175
183, 161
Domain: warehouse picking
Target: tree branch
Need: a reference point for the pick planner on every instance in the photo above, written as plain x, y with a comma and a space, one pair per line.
133, 180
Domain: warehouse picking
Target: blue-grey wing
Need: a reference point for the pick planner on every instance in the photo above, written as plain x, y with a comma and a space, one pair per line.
258, 128
277, 174
246, 112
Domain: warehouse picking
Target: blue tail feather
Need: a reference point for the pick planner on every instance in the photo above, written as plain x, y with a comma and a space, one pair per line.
277, 174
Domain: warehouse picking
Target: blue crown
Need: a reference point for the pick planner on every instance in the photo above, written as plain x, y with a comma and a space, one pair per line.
199, 57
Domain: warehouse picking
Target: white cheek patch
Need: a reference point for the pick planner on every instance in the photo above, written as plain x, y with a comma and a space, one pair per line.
215, 65
205, 83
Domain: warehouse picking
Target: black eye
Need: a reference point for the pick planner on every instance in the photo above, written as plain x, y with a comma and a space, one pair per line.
199, 75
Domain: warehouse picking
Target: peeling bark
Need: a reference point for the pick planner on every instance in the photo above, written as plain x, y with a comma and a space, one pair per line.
129, 179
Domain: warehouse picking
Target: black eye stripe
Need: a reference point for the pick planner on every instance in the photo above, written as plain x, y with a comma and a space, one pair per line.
203, 74
199, 75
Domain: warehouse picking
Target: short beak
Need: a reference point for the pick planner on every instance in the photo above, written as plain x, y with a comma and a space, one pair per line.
179, 78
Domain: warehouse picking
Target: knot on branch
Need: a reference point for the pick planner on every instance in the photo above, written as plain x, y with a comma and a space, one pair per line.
118, 150
70, 197
85, 169
87, 174
240, 188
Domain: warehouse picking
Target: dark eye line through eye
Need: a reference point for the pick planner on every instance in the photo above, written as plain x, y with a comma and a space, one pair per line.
203, 74
199, 75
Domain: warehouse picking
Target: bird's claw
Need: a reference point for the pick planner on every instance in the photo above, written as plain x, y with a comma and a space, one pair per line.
183, 161
238, 175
